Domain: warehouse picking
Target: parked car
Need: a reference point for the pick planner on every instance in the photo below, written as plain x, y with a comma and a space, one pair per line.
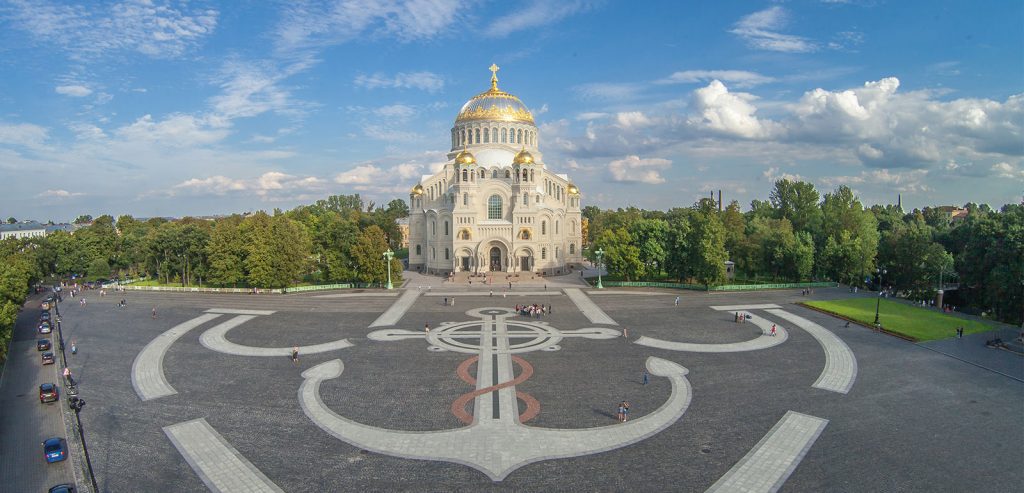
63, 488
45, 315
48, 358
43, 345
44, 327
55, 449
48, 393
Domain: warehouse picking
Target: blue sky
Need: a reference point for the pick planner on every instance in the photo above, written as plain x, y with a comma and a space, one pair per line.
177, 108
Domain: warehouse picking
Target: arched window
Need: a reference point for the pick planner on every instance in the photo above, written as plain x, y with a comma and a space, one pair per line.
557, 253
494, 135
433, 252
465, 174
526, 199
462, 141
572, 227
508, 174
433, 227
446, 254
543, 253
504, 136
418, 251
487, 135
572, 249
494, 207
519, 139
483, 174
446, 228
556, 227
465, 199
538, 198
531, 175
525, 234
543, 228
525, 175
494, 173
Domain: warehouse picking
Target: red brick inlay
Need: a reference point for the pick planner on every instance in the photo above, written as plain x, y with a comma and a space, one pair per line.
459, 406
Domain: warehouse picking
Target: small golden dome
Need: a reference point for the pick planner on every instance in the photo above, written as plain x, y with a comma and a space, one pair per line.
573, 189
495, 104
417, 190
465, 158
523, 158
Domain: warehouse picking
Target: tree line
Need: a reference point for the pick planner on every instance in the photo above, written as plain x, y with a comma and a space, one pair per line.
799, 235
338, 239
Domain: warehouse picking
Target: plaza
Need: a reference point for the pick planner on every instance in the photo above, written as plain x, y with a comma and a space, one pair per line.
206, 395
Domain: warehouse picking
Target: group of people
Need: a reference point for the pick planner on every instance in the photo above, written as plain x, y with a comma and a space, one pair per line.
534, 311
623, 413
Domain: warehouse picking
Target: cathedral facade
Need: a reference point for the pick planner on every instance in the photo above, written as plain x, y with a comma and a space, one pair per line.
495, 206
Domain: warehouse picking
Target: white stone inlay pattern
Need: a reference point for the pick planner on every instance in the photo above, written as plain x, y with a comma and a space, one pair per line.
763, 341
587, 306
737, 308
218, 464
397, 310
840, 370
148, 368
769, 464
215, 338
237, 311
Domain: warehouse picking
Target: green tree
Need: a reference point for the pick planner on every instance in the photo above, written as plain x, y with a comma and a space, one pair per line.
99, 268
368, 255
621, 255
707, 244
83, 219
259, 250
225, 252
797, 202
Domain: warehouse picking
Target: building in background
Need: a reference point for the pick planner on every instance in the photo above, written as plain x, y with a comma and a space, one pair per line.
495, 206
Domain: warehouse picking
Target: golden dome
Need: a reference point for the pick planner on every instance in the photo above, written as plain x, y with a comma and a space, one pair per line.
465, 158
495, 104
573, 189
523, 158
417, 190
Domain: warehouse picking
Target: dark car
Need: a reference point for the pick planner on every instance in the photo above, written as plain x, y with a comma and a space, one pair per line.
48, 358
45, 315
44, 327
43, 345
48, 393
63, 488
55, 449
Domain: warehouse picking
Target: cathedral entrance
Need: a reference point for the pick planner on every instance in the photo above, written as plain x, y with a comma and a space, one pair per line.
524, 264
465, 263
495, 259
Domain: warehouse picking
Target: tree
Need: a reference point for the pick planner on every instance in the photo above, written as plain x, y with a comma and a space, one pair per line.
368, 254
11, 220
259, 253
99, 268
650, 236
225, 252
707, 244
677, 238
797, 202
853, 234
83, 219
290, 246
621, 255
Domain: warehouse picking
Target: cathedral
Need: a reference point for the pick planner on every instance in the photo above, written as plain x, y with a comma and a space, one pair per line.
495, 206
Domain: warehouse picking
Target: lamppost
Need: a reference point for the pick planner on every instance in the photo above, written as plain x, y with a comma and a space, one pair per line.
387, 255
76, 405
599, 253
881, 272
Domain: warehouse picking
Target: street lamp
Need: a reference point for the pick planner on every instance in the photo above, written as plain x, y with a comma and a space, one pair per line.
76, 405
599, 253
881, 272
387, 255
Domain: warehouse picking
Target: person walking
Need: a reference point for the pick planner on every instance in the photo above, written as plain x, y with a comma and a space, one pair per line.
625, 411
625, 333
646, 376
154, 312
677, 301
453, 301
74, 348
445, 301
295, 355
773, 331
621, 414
426, 327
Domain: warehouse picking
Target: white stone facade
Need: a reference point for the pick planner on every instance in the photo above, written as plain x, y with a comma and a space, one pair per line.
495, 206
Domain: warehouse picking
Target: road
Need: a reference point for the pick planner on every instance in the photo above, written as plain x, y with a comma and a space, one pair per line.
24, 422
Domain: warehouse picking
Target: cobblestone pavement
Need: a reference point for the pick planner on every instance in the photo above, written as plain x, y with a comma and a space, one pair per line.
913, 419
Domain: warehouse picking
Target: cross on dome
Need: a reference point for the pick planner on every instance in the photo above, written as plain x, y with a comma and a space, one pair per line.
494, 75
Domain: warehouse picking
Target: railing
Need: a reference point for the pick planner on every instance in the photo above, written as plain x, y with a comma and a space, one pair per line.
722, 287
296, 289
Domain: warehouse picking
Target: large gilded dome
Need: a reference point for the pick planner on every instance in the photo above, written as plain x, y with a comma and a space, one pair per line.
496, 105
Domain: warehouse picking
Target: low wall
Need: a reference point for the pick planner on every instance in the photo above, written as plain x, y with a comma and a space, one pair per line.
722, 287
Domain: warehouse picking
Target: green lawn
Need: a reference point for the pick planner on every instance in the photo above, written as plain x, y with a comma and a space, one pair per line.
917, 323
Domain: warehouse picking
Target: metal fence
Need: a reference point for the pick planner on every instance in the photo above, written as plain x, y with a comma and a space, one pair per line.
721, 287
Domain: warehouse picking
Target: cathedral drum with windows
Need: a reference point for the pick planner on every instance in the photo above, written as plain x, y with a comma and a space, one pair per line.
495, 206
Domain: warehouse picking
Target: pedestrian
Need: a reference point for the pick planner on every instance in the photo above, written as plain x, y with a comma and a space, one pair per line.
677, 301
510, 284
646, 376
453, 301
625, 333
74, 348
154, 312
621, 415
426, 327
625, 411
773, 331
960, 332
549, 309
492, 293
545, 287
295, 355
445, 301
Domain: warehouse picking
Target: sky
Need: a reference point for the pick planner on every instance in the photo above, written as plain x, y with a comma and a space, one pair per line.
155, 108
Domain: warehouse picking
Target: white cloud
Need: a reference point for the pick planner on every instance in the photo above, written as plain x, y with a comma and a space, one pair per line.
737, 78
633, 169
1004, 169
773, 175
423, 80
761, 31
23, 134
252, 88
608, 90
177, 130
360, 175
306, 26
77, 91
591, 115
535, 14
269, 185
719, 110
154, 29
61, 194
632, 119
396, 112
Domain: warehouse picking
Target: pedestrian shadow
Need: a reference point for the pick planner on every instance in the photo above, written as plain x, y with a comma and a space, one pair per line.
605, 413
